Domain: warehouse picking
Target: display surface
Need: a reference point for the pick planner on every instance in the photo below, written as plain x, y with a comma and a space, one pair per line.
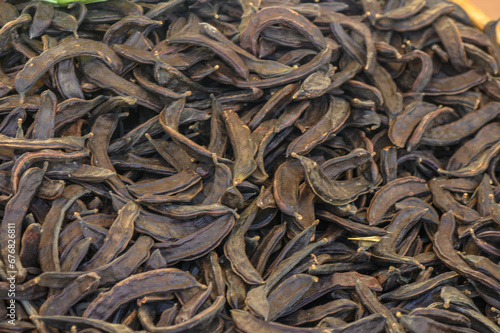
490, 7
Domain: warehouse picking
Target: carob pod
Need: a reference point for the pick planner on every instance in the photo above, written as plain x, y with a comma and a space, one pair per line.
310, 163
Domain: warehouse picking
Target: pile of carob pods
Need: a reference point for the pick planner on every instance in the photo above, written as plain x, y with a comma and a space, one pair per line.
248, 166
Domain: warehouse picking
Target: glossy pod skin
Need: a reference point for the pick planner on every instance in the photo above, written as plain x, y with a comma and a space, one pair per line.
336, 115
249, 166
279, 15
80, 47
149, 282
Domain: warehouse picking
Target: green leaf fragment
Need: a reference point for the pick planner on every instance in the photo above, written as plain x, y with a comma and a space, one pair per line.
67, 2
